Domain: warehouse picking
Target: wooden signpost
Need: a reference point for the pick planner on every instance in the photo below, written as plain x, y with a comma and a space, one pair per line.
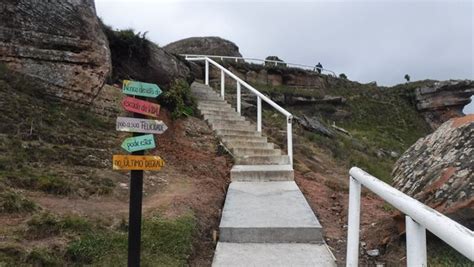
125, 124
138, 143
140, 88
137, 162
142, 107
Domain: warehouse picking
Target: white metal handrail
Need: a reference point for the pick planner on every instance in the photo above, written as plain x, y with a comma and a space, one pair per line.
260, 97
419, 217
253, 60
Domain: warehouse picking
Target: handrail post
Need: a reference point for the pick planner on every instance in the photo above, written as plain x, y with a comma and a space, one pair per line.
352, 258
207, 72
416, 243
259, 114
238, 97
222, 84
289, 133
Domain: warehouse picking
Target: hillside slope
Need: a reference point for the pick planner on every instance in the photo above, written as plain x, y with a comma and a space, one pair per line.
61, 203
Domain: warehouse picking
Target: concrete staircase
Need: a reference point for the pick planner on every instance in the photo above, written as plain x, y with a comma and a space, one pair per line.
266, 221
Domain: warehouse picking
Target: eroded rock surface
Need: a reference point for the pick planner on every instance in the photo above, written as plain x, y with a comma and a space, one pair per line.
58, 44
149, 63
438, 170
443, 100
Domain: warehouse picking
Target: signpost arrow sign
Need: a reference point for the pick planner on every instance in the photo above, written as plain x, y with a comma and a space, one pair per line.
138, 143
140, 88
125, 124
132, 162
140, 106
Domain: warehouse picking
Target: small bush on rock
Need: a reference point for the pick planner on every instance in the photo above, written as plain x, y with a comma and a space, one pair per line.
178, 99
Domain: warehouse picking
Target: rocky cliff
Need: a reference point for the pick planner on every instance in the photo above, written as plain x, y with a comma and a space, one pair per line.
59, 45
204, 46
438, 170
442, 101
137, 58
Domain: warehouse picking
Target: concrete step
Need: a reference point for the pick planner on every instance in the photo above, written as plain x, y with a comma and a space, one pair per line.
247, 144
268, 212
224, 117
275, 255
208, 97
240, 125
263, 160
242, 138
230, 132
206, 94
254, 151
228, 121
215, 105
219, 112
261, 173
212, 101
230, 109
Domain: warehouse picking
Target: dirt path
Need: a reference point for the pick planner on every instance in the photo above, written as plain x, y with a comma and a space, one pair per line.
194, 179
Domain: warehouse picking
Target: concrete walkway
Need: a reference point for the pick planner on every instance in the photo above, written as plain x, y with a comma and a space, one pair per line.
266, 221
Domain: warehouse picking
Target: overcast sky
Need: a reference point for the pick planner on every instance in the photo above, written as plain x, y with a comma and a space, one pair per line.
367, 40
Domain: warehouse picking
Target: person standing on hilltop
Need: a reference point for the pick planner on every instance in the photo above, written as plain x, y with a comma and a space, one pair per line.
319, 67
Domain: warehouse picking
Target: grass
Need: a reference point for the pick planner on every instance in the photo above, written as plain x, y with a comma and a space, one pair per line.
444, 255
28, 178
13, 202
379, 120
165, 242
45, 146
46, 224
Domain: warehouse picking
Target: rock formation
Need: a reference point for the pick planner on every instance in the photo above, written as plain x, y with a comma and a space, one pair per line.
314, 125
58, 44
135, 57
443, 100
204, 46
438, 170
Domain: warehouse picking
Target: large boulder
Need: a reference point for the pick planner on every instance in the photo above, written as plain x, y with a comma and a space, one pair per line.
444, 100
134, 57
58, 44
204, 46
438, 170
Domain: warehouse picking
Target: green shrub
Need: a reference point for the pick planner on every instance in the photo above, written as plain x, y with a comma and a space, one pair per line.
165, 242
75, 224
178, 99
91, 248
54, 184
47, 224
11, 202
171, 237
43, 225
43, 257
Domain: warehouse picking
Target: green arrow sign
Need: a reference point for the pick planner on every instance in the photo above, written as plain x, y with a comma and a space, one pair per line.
138, 143
140, 88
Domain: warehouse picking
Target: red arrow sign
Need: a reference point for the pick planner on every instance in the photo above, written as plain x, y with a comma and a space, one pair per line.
139, 106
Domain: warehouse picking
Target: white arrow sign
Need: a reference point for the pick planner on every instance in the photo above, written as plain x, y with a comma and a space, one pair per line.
125, 124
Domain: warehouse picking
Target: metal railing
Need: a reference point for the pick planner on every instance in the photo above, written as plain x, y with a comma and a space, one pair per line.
260, 97
260, 61
419, 218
